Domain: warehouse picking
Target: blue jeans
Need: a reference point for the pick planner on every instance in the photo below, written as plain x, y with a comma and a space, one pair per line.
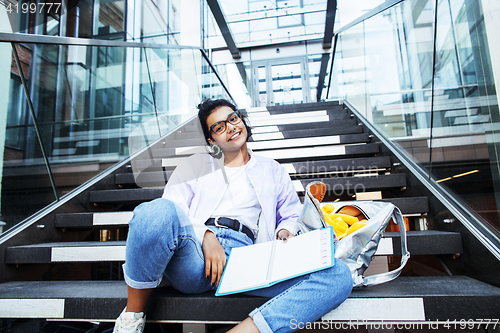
162, 244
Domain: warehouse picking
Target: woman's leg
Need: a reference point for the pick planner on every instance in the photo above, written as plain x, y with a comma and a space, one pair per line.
301, 300
161, 235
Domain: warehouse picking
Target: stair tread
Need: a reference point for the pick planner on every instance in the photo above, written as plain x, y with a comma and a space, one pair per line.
418, 242
439, 298
339, 166
411, 205
289, 108
145, 178
286, 155
274, 141
326, 128
333, 113
125, 195
339, 185
347, 183
403, 286
296, 143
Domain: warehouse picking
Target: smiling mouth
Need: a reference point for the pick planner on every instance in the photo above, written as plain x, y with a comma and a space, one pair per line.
235, 136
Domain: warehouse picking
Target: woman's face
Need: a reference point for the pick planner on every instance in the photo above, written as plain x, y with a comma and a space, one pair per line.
234, 137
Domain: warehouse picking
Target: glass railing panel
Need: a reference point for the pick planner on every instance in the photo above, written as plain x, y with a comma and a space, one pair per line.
25, 182
239, 83
346, 12
177, 82
94, 106
430, 88
354, 73
383, 67
399, 54
465, 110
314, 64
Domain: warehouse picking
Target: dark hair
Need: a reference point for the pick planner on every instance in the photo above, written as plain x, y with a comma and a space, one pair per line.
208, 106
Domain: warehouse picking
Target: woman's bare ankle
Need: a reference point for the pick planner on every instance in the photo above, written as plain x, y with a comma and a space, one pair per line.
137, 299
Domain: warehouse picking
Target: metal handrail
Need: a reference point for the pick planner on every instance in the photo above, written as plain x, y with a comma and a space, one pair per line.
43, 39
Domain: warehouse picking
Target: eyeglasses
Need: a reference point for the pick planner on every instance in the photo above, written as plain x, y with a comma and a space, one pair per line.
220, 126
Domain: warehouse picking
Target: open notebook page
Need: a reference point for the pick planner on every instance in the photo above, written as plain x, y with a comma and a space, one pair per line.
312, 252
256, 266
248, 269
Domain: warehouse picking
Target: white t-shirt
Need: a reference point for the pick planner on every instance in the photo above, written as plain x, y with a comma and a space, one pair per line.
240, 200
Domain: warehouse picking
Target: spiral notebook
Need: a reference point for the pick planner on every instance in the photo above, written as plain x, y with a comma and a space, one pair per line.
262, 265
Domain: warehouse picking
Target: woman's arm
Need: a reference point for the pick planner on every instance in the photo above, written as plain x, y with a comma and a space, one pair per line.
181, 190
183, 187
288, 207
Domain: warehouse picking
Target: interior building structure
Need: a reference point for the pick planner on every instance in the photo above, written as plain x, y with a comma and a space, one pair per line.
89, 84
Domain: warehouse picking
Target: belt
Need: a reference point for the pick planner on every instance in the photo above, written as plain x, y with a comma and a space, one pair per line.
225, 222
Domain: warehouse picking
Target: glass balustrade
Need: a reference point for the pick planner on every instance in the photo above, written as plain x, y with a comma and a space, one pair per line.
423, 76
92, 106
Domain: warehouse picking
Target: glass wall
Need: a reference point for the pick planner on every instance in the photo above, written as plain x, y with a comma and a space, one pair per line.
153, 21
91, 107
423, 75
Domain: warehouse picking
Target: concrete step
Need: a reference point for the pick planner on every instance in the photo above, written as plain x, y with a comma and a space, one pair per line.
285, 155
351, 185
415, 300
334, 186
143, 179
428, 242
408, 206
125, 196
269, 144
298, 107
333, 113
187, 140
334, 127
340, 167
269, 141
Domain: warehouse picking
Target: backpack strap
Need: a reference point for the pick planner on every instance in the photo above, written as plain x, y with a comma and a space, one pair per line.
388, 276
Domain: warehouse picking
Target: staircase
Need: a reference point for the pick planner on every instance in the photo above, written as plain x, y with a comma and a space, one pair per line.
70, 269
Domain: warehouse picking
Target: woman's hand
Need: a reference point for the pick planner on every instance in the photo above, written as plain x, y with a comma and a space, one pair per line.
284, 234
215, 257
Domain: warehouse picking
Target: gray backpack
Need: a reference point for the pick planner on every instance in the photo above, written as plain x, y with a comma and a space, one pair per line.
358, 248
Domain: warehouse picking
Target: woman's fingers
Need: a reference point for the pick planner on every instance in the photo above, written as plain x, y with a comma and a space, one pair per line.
208, 269
220, 269
284, 234
214, 267
214, 272
215, 258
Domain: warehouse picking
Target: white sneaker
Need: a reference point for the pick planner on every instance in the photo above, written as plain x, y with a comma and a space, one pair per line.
130, 322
